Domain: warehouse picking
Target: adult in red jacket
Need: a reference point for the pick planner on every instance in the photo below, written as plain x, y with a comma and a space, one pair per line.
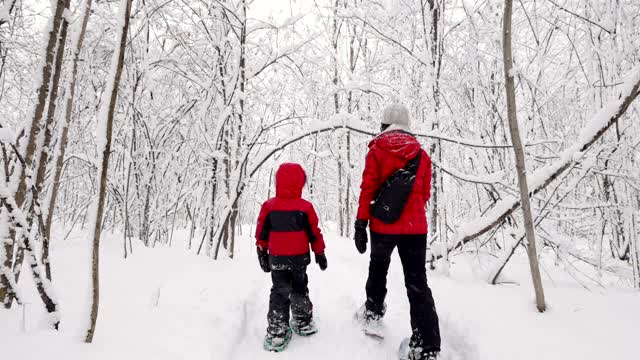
391, 150
287, 226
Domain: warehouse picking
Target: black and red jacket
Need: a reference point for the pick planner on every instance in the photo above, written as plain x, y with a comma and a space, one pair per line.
388, 152
287, 223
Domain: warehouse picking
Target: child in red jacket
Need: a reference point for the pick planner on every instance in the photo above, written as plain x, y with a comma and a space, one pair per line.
287, 225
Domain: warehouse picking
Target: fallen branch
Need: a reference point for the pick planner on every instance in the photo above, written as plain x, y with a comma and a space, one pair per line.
599, 124
544, 212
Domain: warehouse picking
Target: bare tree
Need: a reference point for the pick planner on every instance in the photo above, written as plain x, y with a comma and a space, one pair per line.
105, 126
47, 147
519, 153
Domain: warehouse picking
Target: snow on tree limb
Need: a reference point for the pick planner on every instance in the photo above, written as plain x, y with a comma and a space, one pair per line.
597, 126
43, 285
7, 280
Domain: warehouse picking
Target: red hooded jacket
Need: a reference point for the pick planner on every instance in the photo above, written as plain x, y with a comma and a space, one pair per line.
287, 223
388, 152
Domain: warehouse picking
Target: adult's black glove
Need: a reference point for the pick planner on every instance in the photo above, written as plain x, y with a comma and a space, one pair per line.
321, 259
360, 236
263, 259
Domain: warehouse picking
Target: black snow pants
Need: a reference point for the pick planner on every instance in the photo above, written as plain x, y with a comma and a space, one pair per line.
289, 290
412, 250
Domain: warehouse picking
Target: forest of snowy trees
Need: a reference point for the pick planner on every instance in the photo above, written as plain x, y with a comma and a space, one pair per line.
145, 117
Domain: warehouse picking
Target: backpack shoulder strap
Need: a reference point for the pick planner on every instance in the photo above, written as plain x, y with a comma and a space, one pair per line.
413, 164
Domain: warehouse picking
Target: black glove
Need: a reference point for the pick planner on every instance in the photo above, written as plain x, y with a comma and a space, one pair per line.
360, 236
263, 259
321, 259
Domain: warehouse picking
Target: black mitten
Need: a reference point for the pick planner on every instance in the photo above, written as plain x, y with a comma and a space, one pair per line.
321, 259
360, 236
263, 259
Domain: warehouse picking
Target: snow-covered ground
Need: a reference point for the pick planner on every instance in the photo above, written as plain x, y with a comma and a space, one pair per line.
167, 303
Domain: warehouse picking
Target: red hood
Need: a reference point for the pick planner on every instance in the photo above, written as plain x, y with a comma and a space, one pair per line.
398, 143
290, 180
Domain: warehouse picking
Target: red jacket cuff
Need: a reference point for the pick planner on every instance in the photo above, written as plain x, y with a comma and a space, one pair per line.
262, 244
318, 246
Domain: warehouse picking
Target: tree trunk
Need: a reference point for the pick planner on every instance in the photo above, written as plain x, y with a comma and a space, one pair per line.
436, 148
45, 148
29, 150
212, 217
520, 161
6, 237
105, 123
43, 158
635, 252
336, 105
43, 94
126, 213
6, 276
70, 95
43, 285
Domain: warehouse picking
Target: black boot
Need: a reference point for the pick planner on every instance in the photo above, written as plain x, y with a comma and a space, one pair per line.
278, 324
417, 350
371, 322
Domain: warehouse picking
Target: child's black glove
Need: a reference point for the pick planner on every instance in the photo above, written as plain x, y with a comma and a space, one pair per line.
321, 259
263, 259
360, 236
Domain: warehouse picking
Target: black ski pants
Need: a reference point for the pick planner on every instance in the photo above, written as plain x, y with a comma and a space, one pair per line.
412, 250
289, 290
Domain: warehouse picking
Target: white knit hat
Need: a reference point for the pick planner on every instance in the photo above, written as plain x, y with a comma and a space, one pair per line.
396, 114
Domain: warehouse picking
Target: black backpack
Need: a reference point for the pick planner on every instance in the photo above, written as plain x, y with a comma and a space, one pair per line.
394, 193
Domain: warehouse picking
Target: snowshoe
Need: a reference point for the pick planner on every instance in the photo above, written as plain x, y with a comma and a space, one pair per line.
403, 351
277, 343
406, 352
302, 329
370, 323
374, 329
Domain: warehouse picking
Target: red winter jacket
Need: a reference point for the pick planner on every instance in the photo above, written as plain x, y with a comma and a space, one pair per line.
287, 224
388, 152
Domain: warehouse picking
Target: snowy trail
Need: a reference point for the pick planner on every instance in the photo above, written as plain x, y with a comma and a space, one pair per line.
334, 304
168, 304
336, 294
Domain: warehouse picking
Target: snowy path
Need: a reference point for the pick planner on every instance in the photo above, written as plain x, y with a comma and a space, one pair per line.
336, 294
166, 304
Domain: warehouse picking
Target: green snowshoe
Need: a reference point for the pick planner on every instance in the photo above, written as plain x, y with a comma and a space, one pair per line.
304, 329
277, 343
